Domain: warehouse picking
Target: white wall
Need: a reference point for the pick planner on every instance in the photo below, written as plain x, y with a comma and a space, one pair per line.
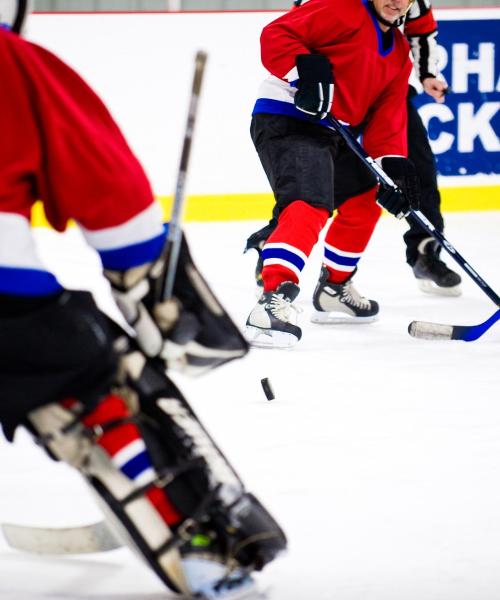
141, 65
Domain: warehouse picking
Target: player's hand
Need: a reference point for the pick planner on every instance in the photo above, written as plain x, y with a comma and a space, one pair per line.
314, 94
398, 201
436, 88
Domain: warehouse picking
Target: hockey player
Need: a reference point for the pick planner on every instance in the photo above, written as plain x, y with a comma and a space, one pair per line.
344, 56
422, 252
90, 394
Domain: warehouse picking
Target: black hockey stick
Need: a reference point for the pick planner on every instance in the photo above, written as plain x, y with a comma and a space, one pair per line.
174, 236
422, 329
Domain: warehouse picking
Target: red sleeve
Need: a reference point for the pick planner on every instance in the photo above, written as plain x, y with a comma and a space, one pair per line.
80, 166
311, 26
386, 131
20, 150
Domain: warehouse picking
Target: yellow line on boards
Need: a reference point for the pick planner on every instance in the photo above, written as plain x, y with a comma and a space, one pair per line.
258, 207
461, 199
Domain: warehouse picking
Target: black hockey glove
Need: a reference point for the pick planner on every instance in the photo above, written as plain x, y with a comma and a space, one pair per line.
402, 172
191, 332
314, 94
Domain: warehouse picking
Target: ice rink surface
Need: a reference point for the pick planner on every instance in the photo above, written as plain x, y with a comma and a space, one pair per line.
380, 455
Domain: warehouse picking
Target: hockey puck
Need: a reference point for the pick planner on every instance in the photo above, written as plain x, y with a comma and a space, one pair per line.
268, 390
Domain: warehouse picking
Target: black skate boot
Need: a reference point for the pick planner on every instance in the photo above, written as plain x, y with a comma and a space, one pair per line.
272, 323
341, 303
433, 274
256, 242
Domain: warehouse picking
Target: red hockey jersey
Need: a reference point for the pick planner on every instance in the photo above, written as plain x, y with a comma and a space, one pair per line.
371, 79
60, 144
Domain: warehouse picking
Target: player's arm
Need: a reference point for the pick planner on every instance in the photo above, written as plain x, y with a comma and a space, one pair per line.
385, 138
289, 47
299, 31
421, 31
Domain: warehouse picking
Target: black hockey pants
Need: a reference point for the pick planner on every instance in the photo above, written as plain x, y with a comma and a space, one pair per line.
419, 151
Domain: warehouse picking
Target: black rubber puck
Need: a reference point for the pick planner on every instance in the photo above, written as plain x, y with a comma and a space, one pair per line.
268, 390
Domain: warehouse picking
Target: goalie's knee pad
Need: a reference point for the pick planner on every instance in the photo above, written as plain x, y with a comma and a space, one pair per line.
179, 501
63, 348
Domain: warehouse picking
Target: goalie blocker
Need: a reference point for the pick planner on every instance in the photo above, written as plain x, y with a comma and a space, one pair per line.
163, 483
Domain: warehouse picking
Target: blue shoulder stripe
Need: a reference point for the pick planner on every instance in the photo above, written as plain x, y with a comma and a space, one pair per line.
120, 259
27, 282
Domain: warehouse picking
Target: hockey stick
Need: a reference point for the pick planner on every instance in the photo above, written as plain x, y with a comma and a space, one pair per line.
97, 537
422, 329
174, 237
437, 331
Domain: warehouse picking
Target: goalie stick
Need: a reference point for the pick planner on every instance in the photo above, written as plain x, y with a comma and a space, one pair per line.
86, 539
174, 237
423, 329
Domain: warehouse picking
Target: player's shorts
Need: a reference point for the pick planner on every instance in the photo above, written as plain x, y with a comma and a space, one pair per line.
306, 161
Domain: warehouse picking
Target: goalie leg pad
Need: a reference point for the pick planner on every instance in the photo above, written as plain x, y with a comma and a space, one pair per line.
130, 512
210, 494
212, 528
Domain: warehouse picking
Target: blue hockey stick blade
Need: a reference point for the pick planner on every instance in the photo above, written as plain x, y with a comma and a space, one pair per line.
438, 331
473, 332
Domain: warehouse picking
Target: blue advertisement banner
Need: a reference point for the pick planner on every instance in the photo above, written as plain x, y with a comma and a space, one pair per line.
464, 131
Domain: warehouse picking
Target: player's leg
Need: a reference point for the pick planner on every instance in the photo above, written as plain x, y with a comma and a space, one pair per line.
297, 159
422, 251
136, 441
335, 298
257, 240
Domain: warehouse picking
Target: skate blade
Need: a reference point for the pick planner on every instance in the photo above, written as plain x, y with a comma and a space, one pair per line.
245, 590
261, 338
429, 287
333, 318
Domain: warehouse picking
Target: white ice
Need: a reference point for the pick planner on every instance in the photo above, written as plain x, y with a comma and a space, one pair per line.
380, 455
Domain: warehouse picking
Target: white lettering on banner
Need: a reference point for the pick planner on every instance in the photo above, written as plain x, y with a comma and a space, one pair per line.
483, 66
445, 140
472, 125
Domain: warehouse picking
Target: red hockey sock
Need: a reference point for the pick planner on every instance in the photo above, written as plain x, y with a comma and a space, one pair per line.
288, 247
349, 234
127, 450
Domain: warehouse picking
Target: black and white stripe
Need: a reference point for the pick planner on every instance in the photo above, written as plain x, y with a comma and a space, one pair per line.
425, 55
424, 46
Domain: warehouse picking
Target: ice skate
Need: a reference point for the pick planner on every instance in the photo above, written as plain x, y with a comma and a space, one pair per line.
210, 578
432, 274
256, 242
341, 302
272, 323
